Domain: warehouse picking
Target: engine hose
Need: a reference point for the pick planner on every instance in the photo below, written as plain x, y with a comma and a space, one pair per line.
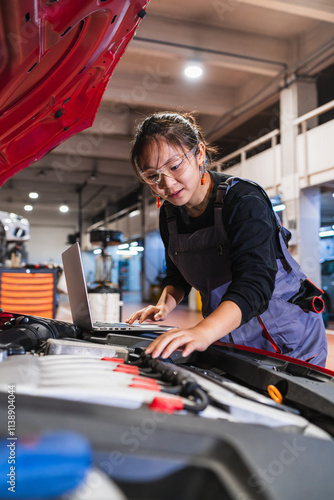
181, 383
202, 401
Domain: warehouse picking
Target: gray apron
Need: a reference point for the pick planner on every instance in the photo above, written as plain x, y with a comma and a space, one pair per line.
203, 259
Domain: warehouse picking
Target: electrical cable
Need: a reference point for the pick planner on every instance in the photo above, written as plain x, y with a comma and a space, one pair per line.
180, 383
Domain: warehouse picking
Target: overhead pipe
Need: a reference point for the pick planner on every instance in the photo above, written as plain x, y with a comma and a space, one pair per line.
210, 51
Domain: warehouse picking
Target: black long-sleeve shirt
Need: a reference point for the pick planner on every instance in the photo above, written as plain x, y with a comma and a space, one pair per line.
252, 231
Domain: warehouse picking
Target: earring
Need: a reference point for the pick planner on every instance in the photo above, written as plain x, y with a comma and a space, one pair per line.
203, 178
158, 199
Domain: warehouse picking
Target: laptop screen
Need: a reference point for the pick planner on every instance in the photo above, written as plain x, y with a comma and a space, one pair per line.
76, 287
79, 302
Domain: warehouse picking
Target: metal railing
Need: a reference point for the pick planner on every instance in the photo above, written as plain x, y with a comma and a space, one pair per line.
272, 136
302, 122
315, 112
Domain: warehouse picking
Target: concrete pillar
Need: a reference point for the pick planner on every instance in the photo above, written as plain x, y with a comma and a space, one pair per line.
307, 99
296, 99
309, 248
289, 180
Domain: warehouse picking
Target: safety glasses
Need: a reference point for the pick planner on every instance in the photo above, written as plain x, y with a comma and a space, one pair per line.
172, 169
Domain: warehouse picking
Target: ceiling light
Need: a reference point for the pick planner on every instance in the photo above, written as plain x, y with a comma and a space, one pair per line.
279, 208
124, 246
64, 209
28, 208
33, 195
129, 252
135, 246
134, 213
326, 234
193, 70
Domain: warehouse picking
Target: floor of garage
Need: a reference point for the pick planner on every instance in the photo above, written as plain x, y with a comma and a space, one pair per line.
181, 317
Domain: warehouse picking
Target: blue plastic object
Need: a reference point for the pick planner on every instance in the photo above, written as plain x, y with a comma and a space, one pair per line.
45, 466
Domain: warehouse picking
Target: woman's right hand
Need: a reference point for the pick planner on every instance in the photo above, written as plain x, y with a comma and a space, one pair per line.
154, 313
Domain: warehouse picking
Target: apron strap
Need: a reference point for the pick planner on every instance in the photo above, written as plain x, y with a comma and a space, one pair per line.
171, 218
219, 203
283, 234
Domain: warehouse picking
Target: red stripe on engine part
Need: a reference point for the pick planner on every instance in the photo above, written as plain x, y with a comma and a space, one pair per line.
166, 405
133, 370
113, 360
147, 387
145, 380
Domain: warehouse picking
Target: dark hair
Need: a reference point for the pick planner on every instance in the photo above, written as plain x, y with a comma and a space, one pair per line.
178, 129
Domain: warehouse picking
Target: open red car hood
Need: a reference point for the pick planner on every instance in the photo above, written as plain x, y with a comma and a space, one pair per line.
56, 58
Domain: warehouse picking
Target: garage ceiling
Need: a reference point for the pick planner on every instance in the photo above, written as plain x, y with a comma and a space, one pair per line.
247, 49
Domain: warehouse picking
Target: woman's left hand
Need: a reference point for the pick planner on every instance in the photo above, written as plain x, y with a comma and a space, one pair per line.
219, 323
192, 339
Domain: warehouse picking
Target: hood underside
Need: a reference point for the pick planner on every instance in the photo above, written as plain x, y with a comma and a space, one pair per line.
56, 58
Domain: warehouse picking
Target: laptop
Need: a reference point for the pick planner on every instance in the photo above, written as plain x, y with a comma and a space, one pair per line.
79, 302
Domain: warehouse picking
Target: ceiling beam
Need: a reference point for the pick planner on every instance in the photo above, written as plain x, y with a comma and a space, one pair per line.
70, 184
204, 98
88, 165
315, 50
111, 120
80, 146
321, 11
226, 44
231, 122
212, 56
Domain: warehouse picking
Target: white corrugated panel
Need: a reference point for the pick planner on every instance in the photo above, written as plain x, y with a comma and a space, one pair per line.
320, 146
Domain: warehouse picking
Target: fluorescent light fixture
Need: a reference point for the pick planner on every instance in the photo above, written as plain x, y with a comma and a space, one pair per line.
33, 195
135, 246
123, 246
28, 208
63, 209
326, 234
134, 213
129, 252
97, 251
279, 208
193, 70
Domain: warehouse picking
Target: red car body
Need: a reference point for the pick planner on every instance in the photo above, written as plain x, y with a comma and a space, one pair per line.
56, 59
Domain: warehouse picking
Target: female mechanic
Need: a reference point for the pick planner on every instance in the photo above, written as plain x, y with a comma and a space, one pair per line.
222, 237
